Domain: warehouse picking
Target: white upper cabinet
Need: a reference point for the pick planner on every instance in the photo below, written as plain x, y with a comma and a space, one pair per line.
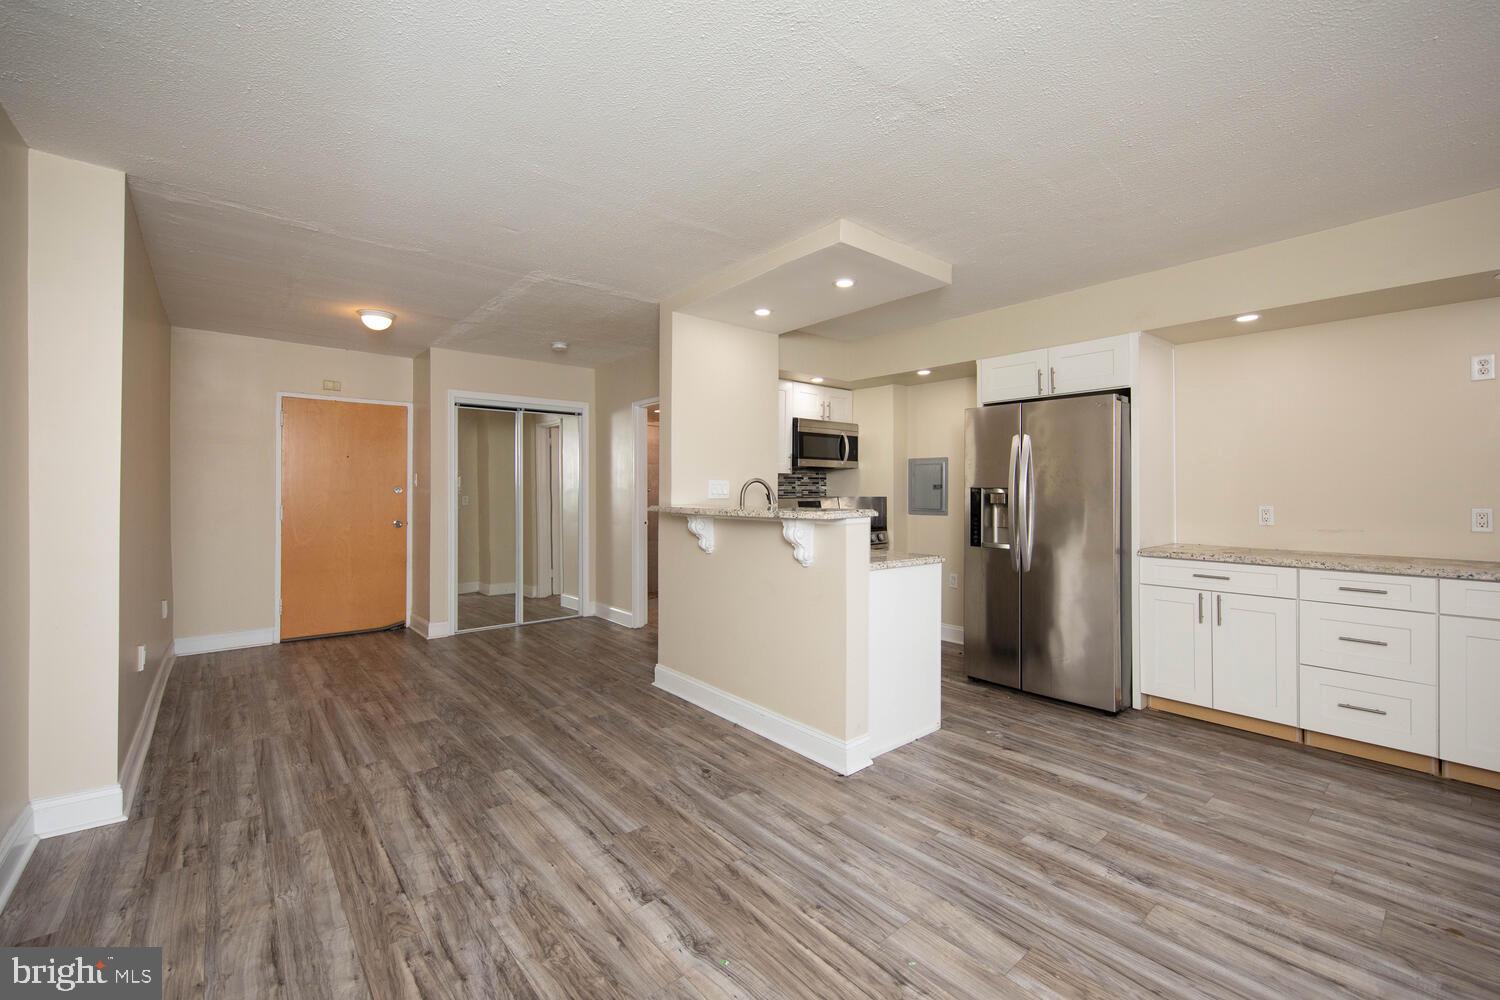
1015, 376
1082, 367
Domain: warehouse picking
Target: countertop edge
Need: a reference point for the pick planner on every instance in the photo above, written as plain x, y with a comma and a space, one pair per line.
1347, 562
902, 560
762, 514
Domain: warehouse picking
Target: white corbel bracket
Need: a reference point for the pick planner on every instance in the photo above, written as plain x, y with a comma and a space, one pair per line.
799, 535
703, 530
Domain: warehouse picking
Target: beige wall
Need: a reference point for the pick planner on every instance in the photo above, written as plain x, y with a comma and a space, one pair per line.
935, 429
1424, 244
145, 573
617, 387
750, 620
881, 414
1366, 435
473, 498
446, 371
719, 418
75, 304
15, 517
223, 461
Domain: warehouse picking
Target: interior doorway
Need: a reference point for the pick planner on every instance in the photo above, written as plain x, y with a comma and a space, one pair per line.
647, 429
343, 468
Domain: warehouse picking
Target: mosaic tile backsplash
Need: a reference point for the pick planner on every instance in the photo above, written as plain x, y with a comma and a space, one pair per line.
802, 483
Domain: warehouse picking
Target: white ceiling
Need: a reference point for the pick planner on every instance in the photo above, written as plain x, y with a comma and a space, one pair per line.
503, 173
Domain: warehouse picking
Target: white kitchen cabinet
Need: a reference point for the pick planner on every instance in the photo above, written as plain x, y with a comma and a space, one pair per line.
1083, 367
1255, 657
1015, 376
1176, 645
1469, 686
1235, 653
1093, 364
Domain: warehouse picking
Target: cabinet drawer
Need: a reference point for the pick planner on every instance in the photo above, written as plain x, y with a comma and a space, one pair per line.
1377, 710
1400, 593
1229, 578
1471, 598
1401, 645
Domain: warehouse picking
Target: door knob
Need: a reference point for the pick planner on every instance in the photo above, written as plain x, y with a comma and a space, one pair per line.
399, 524
398, 489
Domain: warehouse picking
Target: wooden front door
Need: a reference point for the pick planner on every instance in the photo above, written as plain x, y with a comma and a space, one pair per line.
343, 516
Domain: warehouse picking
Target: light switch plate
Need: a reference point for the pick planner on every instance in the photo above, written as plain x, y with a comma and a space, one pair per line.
718, 489
1481, 367
140, 658
164, 611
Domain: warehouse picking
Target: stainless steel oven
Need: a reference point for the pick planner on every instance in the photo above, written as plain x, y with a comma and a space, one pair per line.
824, 444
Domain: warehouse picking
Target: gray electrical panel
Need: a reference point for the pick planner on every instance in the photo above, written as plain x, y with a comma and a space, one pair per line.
927, 486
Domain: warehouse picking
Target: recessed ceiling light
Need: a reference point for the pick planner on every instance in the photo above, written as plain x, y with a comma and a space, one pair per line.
844, 283
377, 319
924, 371
816, 380
1247, 318
559, 346
762, 312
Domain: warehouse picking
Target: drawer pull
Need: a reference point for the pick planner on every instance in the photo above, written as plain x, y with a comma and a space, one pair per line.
1364, 590
1210, 576
1361, 708
1363, 642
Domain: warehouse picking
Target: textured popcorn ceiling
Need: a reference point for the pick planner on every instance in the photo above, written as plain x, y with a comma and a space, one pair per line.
505, 173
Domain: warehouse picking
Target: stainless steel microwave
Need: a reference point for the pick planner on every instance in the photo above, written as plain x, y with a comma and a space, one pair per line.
824, 444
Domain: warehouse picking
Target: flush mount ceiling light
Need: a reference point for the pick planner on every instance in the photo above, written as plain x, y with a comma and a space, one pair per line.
1247, 318
377, 319
924, 371
844, 283
559, 346
762, 312
816, 380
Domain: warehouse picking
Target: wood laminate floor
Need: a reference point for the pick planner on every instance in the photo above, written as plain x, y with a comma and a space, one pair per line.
519, 813
484, 611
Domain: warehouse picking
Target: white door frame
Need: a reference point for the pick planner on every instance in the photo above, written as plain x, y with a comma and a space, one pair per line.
457, 397
640, 610
276, 597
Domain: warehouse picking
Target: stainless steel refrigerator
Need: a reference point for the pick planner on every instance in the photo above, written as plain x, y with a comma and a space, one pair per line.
1046, 570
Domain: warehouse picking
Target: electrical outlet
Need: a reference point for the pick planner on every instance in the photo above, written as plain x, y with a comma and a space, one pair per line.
140, 658
718, 489
952, 581
1267, 515
1481, 367
164, 611
1481, 519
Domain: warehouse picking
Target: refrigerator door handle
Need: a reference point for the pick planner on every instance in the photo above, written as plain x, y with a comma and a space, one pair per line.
1017, 502
1028, 492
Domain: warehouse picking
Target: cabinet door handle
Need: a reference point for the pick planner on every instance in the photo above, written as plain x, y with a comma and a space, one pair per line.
1210, 576
1052, 380
1363, 590
1363, 642
1038, 381
1219, 604
1361, 708
1200, 607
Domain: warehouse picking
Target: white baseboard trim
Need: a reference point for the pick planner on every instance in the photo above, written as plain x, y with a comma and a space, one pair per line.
618, 616
430, 630
15, 850
192, 645
135, 757
70, 813
876, 751
843, 756
570, 601
469, 587
953, 634
497, 589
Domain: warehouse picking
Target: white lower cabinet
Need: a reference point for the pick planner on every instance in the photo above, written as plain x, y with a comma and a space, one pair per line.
1388, 713
1469, 679
1232, 652
1255, 657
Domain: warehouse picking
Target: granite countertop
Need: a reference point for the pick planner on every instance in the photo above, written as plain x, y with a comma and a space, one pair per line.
767, 514
888, 559
1449, 569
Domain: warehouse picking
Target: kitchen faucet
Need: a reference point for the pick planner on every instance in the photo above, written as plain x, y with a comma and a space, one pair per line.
770, 493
